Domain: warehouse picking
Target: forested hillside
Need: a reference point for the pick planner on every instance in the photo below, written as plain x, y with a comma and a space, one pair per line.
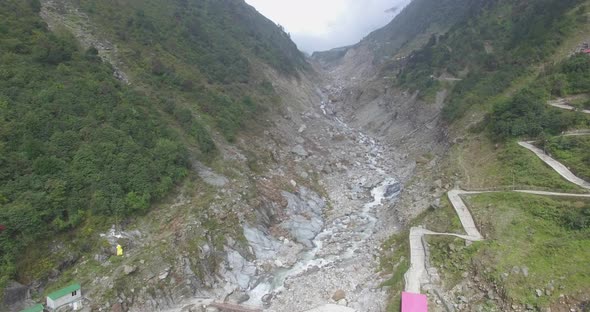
200, 51
497, 43
74, 142
409, 30
494, 77
79, 147
414, 25
527, 114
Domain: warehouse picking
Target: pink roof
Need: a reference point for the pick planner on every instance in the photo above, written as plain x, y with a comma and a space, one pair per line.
414, 302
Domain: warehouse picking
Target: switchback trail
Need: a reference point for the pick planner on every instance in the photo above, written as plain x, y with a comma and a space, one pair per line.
563, 104
556, 165
417, 274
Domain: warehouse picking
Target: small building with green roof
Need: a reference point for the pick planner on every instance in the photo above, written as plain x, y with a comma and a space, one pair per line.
69, 296
36, 308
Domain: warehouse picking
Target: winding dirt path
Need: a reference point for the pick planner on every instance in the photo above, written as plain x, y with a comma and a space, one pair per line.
417, 274
563, 104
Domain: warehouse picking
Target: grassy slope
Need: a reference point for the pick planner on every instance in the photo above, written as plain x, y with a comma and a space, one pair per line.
547, 236
483, 165
574, 152
550, 236
522, 230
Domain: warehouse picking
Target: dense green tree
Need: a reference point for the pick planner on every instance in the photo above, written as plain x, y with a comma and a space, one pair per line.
74, 141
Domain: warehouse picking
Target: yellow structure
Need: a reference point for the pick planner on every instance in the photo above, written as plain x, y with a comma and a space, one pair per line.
119, 250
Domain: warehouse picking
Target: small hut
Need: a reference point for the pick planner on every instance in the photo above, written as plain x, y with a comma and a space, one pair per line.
70, 296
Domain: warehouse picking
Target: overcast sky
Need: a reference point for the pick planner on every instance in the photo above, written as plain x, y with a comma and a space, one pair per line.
318, 25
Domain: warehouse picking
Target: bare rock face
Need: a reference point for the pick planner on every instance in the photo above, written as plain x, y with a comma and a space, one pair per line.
14, 294
304, 211
209, 176
239, 271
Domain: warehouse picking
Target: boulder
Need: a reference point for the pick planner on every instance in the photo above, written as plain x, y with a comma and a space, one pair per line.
436, 204
238, 297
392, 189
209, 176
238, 270
117, 307
525, 271
339, 295
129, 269
438, 183
192, 308
300, 151
422, 160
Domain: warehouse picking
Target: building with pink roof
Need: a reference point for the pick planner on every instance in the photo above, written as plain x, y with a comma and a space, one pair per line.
414, 302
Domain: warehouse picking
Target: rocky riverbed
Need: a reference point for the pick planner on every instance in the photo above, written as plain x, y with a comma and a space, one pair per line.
363, 184
330, 243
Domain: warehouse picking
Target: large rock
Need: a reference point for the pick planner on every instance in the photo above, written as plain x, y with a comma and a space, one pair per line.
238, 297
392, 189
192, 308
339, 295
304, 215
128, 269
209, 176
300, 151
265, 246
238, 270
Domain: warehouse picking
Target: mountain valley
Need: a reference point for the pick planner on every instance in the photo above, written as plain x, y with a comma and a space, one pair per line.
234, 170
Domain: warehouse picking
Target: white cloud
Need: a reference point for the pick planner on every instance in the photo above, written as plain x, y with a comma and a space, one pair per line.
317, 25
